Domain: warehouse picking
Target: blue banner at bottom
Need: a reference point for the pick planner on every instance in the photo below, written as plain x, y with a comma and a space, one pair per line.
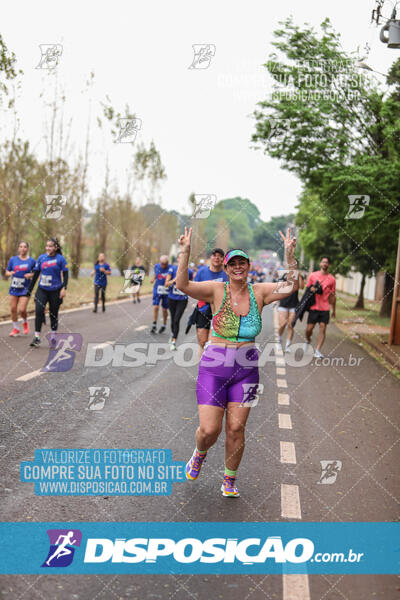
205, 547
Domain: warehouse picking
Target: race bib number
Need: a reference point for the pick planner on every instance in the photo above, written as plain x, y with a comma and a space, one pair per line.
177, 292
45, 280
161, 290
17, 282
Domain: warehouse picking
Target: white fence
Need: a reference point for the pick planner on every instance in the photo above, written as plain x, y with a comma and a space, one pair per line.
351, 285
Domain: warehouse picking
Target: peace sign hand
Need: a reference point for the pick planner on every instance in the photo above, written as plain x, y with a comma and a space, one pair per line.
184, 240
290, 245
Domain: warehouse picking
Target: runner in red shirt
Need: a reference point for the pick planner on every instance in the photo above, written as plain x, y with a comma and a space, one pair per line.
319, 312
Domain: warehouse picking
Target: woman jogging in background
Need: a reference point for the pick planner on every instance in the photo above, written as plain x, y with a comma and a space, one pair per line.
228, 368
286, 314
52, 271
100, 272
177, 302
20, 269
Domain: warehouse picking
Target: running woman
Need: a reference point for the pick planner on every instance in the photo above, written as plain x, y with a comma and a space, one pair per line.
214, 272
160, 293
52, 269
286, 314
20, 269
229, 365
177, 302
319, 311
100, 272
138, 274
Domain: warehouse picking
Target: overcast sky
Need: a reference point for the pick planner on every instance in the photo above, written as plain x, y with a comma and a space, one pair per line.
199, 119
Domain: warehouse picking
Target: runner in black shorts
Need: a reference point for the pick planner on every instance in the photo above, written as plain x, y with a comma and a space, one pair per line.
319, 311
286, 314
214, 272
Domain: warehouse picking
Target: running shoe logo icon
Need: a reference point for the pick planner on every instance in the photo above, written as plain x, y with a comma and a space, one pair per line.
54, 206
357, 206
97, 397
203, 54
62, 351
63, 543
251, 393
330, 470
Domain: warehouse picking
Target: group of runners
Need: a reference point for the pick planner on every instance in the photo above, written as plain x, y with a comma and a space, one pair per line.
230, 296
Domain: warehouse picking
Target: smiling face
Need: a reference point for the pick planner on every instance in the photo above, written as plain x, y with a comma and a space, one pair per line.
237, 268
50, 247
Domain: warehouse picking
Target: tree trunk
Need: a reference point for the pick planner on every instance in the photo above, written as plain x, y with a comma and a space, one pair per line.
386, 304
359, 305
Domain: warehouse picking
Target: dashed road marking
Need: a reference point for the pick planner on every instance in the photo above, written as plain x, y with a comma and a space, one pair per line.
288, 453
285, 421
284, 399
30, 375
290, 501
281, 383
296, 587
280, 362
141, 327
280, 371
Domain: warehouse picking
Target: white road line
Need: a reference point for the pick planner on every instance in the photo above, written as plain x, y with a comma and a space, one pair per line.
288, 453
296, 587
285, 421
103, 345
30, 375
283, 399
280, 362
290, 501
280, 371
281, 383
141, 327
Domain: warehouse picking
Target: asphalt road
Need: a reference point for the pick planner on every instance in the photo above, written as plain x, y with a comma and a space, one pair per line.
343, 413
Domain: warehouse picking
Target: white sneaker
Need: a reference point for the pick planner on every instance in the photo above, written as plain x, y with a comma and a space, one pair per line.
288, 350
318, 354
172, 345
306, 346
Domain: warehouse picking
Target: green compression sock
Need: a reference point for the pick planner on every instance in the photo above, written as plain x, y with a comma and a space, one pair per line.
201, 451
230, 473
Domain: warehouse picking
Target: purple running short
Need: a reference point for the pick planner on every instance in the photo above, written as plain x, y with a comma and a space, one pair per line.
226, 374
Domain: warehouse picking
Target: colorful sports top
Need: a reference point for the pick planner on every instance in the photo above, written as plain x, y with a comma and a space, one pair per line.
160, 274
19, 283
236, 328
100, 278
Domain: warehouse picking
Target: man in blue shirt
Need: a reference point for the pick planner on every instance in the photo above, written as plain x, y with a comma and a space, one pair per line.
203, 314
160, 293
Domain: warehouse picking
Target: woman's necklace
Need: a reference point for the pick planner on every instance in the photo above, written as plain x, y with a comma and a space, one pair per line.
234, 303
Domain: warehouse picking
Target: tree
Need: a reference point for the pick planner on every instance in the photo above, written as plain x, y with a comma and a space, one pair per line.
342, 141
